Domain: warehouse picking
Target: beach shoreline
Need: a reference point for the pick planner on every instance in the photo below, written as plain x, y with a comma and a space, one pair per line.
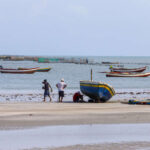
108, 146
37, 95
35, 114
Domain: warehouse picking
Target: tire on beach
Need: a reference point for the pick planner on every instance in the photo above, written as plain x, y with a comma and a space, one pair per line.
101, 100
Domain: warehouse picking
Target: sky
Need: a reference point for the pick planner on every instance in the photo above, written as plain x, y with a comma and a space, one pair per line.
75, 27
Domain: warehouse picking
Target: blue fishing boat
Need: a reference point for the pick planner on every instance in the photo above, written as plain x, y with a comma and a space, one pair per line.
97, 91
140, 102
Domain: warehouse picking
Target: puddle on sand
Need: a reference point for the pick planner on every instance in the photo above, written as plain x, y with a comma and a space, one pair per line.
56, 136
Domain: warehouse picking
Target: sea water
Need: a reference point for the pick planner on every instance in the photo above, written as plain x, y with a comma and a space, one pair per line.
72, 74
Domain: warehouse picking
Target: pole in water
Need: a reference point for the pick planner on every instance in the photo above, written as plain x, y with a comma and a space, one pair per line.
91, 75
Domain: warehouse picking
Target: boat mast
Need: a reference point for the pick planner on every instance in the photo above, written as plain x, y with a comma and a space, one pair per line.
91, 75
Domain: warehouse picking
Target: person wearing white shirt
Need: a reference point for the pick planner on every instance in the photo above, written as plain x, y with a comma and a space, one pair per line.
61, 86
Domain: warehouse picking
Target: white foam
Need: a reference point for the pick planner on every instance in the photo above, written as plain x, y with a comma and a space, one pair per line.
37, 95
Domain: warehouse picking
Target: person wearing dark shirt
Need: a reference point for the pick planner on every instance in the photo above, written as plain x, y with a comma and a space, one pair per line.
46, 88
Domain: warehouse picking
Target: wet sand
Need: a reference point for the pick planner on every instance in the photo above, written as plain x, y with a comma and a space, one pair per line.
33, 114
108, 146
16, 115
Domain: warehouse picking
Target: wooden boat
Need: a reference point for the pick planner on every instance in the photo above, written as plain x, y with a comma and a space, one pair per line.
16, 71
44, 69
127, 74
127, 69
28, 68
38, 69
107, 62
98, 91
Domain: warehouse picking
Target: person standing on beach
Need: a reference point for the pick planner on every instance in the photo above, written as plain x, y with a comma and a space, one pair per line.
61, 86
46, 88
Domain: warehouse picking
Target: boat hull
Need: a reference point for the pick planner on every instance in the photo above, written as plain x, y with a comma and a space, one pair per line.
44, 70
100, 92
128, 70
16, 71
28, 68
127, 74
37, 69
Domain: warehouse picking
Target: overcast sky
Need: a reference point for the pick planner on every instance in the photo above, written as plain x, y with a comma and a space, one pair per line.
75, 27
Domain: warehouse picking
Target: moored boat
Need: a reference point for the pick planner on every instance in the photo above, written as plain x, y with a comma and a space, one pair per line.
16, 71
20, 68
98, 91
43, 69
128, 69
107, 62
38, 69
127, 74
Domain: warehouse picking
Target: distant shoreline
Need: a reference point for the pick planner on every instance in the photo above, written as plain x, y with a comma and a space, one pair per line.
46, 59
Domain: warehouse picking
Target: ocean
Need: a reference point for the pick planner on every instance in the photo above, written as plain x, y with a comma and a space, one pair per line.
72, 74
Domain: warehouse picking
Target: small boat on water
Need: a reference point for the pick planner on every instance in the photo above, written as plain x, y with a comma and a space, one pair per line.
16, 71
127, 69
20, 68
107, 62
97, 91
44, 69
127, 74
38, 69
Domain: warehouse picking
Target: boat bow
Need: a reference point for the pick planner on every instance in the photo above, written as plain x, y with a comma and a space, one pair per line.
100, 92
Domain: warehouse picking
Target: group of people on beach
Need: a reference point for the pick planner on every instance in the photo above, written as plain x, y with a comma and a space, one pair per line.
47, 87
77, 97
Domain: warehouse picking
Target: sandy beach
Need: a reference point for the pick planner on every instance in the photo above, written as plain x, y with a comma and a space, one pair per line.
24, 115
112, 146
